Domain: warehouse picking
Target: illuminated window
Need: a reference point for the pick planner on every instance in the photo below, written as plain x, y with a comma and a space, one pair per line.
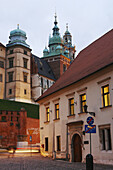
58, 143
56, 111
105, 96
83, 101
47, 114
71, 106
105, 137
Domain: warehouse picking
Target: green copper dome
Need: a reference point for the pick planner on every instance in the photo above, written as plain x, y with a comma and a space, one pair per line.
56, 39
45, 50
17, 32
17, 37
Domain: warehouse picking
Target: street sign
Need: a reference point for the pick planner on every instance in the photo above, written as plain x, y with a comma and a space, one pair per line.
30, 138
90, 120
90, 128
30, 131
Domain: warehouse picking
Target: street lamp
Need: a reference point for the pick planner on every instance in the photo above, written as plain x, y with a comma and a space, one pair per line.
85, 109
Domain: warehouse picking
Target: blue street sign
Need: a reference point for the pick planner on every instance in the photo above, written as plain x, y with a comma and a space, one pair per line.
30, 138
90, 128
90, 120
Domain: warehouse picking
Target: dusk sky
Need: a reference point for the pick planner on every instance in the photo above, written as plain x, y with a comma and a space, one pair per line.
87, 20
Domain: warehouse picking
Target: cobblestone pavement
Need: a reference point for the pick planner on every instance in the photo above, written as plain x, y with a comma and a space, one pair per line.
37, 162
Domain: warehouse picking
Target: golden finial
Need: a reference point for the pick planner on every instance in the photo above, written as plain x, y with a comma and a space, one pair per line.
17, 26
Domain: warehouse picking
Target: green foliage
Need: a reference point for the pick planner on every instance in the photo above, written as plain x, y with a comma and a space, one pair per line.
32, 109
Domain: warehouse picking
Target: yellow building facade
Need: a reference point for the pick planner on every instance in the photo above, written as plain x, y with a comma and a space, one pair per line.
2, 70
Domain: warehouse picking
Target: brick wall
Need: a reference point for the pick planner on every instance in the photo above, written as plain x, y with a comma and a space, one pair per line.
33, 124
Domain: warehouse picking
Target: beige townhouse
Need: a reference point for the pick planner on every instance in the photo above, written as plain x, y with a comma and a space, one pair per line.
87, 82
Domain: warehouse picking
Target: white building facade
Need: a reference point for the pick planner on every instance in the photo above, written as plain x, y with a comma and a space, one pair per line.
62, 114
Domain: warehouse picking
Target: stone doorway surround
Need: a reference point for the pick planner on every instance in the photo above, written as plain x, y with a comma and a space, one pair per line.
74, 129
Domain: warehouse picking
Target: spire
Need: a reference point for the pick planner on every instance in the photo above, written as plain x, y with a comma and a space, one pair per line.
17, 26
55, 29
66, 26
55, 19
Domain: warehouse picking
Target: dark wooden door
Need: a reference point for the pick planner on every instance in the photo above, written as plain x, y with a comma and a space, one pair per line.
77, 149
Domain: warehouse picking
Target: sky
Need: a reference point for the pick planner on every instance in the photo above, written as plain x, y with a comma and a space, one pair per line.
87, 20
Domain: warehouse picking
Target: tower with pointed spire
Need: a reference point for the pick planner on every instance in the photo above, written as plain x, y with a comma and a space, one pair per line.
61, 52
68, 43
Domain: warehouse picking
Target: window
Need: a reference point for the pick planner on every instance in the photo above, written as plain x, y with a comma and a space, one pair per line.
3, 119
1, 64
11, 51
11, 118
71, 106
46, 144
10, 74
105, 137
17, 119
105, 96
41, 82
47, 114
25, 77
58, 143
10, 91
25, 62
47, 83
56, 111
64, 68
83, 101
25, 91
10, 62
25, 52
0, 77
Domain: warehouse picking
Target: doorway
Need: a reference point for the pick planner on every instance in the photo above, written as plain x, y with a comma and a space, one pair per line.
76, 148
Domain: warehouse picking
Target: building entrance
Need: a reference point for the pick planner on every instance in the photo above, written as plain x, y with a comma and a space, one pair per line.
77, 148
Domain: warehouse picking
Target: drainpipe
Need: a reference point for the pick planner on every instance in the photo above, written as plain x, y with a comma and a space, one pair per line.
54, 152
67, 159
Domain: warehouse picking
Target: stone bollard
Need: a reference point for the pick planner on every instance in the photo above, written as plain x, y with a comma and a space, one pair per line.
89, 162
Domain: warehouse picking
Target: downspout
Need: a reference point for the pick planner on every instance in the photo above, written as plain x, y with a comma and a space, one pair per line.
67, 154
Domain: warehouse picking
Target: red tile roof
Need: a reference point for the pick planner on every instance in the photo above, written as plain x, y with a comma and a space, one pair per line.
96, 56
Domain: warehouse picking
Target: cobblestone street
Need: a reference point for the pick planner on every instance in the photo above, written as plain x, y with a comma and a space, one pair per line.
37, 162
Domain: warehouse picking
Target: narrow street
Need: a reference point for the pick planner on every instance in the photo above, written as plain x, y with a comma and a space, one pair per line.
37, 162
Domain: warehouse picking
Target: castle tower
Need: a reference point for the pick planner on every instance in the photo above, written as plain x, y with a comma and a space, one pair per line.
18, 56
57, 56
